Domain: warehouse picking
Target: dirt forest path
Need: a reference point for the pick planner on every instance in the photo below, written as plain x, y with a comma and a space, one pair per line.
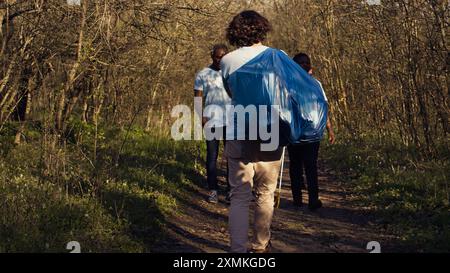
339, 226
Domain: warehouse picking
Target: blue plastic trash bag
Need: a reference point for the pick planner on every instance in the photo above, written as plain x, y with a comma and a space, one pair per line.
272, 78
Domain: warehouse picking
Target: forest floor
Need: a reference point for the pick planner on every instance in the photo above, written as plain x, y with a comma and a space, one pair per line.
340, 226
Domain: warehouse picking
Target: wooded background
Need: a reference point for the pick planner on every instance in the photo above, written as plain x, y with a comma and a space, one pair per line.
68, 72
384, 67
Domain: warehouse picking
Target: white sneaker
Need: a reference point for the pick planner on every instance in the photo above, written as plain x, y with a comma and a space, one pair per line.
213, 197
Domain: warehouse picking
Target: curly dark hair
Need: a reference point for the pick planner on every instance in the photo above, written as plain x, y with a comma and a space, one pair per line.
248, 28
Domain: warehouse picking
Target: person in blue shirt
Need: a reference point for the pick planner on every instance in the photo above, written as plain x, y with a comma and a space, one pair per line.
209, 86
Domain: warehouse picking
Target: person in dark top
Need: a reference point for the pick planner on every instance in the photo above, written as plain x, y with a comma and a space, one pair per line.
303, 157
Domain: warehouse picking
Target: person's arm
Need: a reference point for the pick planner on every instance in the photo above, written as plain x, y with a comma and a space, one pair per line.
331, 136
199, 94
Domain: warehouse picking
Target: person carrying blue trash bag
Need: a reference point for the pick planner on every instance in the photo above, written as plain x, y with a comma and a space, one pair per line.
303, 156
274, 102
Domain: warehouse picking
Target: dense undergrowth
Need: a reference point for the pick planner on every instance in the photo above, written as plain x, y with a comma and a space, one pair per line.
110, 195
407, 192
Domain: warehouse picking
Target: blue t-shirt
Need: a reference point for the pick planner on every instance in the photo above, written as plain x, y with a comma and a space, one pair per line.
210, 82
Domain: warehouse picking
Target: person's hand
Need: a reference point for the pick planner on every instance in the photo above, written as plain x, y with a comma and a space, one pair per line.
204, 121
331, 137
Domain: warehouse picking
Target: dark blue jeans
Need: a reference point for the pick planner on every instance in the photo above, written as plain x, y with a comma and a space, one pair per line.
304, 156
212, 153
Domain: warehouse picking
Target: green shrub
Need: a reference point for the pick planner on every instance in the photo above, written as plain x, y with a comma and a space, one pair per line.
410, 195
106, 207
38, 217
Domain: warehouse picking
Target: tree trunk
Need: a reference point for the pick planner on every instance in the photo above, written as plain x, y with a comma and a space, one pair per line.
61, 107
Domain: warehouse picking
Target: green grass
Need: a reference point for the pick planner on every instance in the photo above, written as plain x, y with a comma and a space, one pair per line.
409, 196
112, 203
105, 206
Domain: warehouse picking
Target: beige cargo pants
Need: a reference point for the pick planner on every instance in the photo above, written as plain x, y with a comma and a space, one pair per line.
251, 169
